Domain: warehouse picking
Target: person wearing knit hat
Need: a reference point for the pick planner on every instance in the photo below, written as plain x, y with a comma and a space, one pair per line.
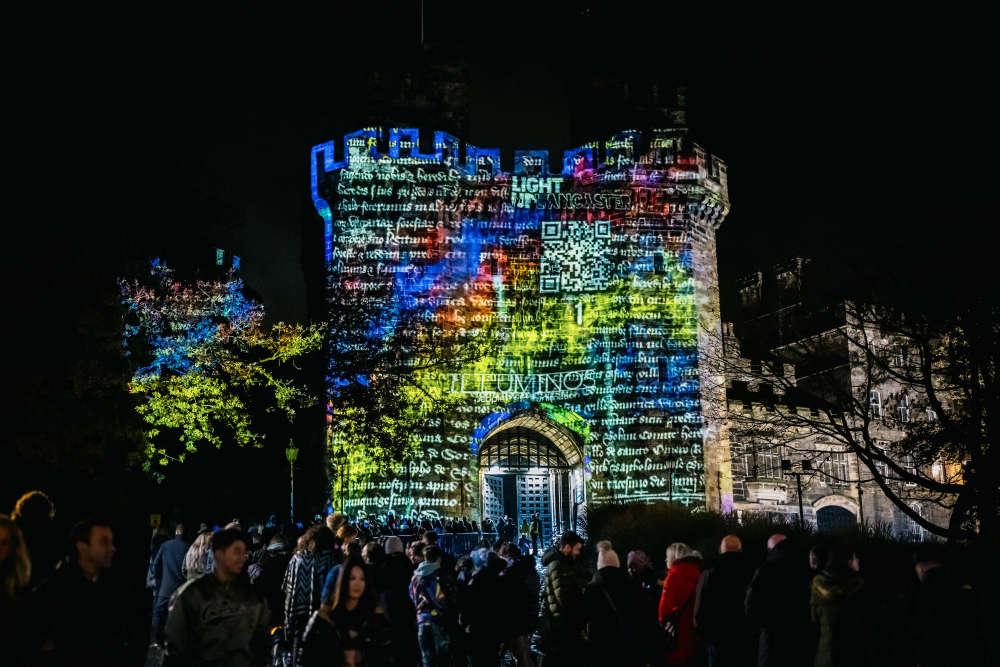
610, 603
607, 558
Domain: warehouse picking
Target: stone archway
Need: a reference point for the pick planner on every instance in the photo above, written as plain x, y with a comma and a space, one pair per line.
837, 500
835, 512
530, 463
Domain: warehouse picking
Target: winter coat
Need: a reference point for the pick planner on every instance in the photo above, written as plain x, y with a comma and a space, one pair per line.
719, 615
267, 572
777, 603
394, 575
648, 590
212, 623
943, 626
168, 564
680, 586
611, 602
324, 642
479, 602
519, 584
86, 622
320, 643
303, 588
837, 608
563, 596
431, 595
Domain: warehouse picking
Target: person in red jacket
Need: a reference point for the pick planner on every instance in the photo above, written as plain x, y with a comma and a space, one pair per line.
677, 599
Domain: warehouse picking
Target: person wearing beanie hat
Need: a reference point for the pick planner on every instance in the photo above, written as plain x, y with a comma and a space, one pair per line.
607, 558
611, 602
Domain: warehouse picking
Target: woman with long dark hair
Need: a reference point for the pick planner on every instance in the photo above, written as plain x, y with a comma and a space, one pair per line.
342, 631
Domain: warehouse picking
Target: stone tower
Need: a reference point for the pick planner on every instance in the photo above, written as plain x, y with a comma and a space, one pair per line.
600, 280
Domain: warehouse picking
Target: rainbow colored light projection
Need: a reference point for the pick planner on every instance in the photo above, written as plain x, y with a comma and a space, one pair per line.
588, 277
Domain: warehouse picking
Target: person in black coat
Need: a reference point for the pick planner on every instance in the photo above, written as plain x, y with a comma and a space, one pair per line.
267, 572
644, 578
82, 613
777, 605
394, 574
478, 605
611, 601
519, 586
943, 626
719, 615
166, 569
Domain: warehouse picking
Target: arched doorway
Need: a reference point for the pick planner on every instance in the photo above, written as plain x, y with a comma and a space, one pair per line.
527, 464
833, 518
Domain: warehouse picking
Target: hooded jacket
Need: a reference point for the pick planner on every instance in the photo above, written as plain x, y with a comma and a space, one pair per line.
678, 588
837, 608
430, 595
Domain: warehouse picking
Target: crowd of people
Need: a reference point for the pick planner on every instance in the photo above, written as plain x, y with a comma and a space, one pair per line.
360, 592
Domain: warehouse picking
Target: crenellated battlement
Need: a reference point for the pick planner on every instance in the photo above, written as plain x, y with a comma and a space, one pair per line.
629, 156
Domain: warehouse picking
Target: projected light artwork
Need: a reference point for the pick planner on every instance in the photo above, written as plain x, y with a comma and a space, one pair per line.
593, 279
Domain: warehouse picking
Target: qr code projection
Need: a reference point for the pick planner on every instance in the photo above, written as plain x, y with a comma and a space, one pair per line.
575, 256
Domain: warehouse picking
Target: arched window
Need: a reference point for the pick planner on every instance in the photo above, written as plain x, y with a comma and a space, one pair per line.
915, 530
875, 400
904, 409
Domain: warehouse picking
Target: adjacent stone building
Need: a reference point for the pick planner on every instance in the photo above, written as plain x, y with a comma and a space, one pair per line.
774, 414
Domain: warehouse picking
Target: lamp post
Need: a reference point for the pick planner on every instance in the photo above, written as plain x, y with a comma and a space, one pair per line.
805, 469
671, 463
291, 453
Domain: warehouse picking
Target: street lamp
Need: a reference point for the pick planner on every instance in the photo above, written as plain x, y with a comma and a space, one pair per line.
806, 469
671, 463
339, 461
291, 453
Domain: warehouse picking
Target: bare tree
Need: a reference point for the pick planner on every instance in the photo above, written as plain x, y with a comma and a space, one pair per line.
913, 397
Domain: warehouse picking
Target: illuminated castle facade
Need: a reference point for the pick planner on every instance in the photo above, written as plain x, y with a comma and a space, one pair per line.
600, 279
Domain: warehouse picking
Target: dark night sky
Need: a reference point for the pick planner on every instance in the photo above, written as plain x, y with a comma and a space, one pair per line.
139, 129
